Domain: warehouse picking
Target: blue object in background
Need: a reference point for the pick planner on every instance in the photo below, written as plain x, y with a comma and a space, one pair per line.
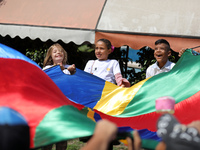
11, 117
133, 54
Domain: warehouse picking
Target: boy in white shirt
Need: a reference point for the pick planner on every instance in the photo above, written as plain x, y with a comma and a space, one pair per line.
161, 52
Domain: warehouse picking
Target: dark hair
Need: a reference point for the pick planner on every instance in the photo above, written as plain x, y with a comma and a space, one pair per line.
160, 41
107, 42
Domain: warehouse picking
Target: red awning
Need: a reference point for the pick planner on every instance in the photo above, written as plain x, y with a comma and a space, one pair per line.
124, 22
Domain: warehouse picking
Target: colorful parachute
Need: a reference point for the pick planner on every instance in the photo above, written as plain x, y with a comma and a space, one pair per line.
51, 116
28, 90
134, 107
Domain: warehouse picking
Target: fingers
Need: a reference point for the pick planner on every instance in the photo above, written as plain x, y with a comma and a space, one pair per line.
130, 143
181, 52
136, 143
72, 69
137, 140
73, 65
122, 85
62, 67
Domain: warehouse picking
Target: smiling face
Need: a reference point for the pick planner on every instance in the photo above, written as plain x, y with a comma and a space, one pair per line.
102, 51
161, 53
57, 56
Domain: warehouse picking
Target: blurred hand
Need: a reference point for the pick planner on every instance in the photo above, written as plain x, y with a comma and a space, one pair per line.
106, 130
136, 143
180, 53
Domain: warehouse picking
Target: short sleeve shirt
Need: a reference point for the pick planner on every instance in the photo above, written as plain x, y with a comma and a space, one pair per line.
106, 69
154, 69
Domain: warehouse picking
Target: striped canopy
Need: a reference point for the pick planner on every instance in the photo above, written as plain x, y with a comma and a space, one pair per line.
135, 23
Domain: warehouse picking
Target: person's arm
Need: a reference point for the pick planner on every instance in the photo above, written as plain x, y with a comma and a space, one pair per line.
121, 81
118, 76
104, 133
136, 143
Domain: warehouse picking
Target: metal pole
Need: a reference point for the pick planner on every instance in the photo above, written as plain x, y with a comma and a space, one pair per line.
126, 63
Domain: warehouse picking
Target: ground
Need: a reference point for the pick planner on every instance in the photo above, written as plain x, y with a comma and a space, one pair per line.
76, 145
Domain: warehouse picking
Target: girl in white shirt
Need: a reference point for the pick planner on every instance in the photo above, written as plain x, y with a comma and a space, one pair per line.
107, 69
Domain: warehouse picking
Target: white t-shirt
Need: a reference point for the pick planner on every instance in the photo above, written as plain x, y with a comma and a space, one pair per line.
154, 69
65, 70
105, 69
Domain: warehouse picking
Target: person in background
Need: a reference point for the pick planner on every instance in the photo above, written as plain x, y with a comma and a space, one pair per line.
161, 53
102, 67
56, 55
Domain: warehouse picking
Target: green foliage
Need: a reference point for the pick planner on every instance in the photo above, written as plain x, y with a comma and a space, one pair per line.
36, 55
85, 48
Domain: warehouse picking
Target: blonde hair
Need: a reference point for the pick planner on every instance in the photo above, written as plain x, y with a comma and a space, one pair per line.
48, 59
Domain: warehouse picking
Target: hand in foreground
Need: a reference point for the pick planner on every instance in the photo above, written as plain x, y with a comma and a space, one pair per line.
104, 133
136, 143
106, 129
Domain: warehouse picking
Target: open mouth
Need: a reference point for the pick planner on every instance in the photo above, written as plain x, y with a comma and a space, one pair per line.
59, 56
158, 56
98, 55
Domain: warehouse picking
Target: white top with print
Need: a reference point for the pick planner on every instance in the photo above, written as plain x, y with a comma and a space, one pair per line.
104, 69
